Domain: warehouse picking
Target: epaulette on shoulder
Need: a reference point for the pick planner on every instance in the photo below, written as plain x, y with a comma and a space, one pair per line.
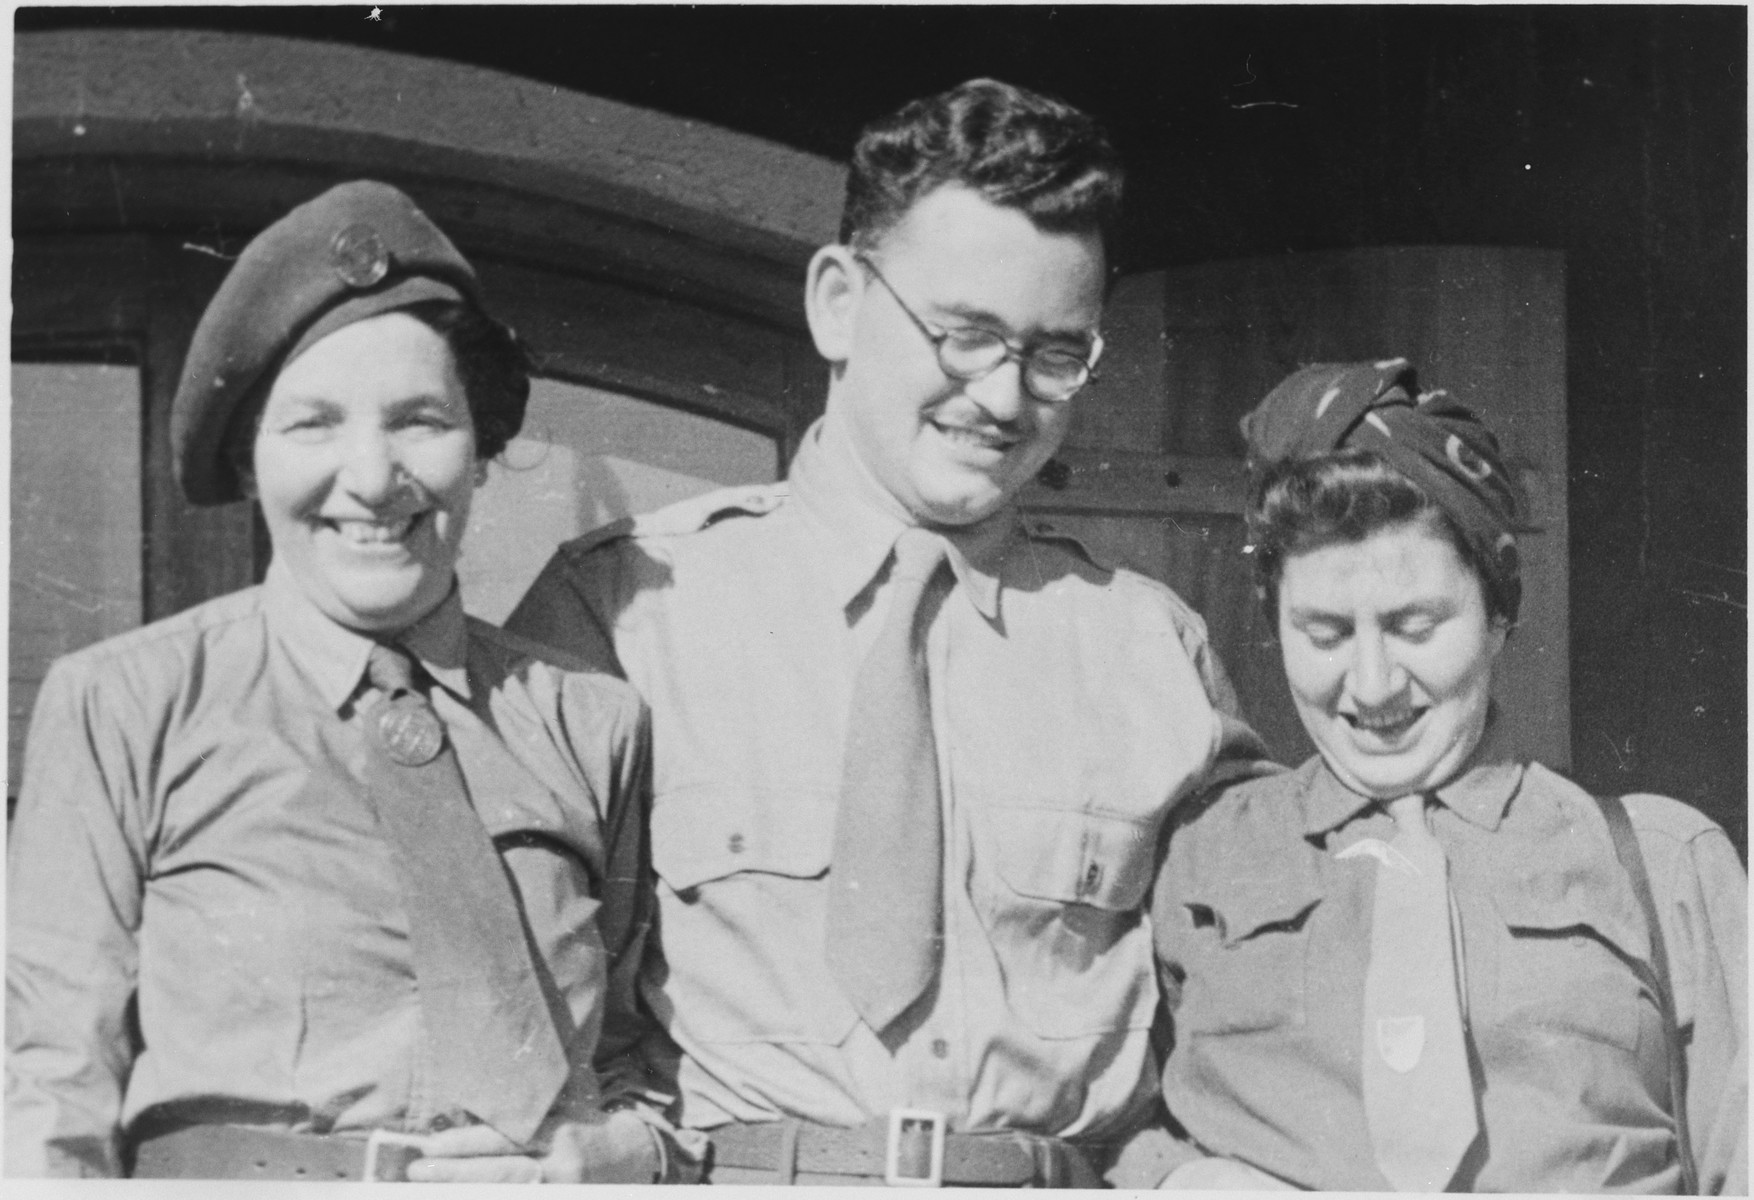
1126, 576
688, 516
1044, 531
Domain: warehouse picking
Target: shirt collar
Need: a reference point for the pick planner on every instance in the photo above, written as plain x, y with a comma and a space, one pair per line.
857, 522
1479, 794
440, 640
334, 656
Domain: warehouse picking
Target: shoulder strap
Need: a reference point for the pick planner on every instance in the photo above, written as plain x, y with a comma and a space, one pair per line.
1626, 850
686, 516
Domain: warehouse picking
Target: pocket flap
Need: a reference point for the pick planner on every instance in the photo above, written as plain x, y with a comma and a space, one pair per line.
1245, 905
1076, 857
703, 834
1525, 907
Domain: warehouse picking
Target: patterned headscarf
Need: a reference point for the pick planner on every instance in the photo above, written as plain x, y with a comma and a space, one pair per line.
1430, 438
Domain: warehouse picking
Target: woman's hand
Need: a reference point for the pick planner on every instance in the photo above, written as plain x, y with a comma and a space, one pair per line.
1222, 1175
614, 1148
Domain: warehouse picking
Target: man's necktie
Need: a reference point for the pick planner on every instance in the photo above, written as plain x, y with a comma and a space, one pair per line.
491, 1043
885, 897
1418, 1093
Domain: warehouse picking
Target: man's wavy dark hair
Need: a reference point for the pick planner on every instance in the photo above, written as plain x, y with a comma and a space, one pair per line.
1016, 148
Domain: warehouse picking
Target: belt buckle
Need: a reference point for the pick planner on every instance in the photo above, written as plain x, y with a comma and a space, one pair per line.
388, 1154
915, 1153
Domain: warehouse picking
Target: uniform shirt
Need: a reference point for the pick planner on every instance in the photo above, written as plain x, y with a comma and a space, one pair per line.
1264, 937
204, 924
1072, 706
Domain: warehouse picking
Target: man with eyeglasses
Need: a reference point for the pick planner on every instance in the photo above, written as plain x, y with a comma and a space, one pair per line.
911, 757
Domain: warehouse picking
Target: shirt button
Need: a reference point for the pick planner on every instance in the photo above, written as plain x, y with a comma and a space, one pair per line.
735, 845
440, 1123
940, 1048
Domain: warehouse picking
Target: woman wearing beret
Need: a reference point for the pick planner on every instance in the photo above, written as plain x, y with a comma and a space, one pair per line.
1416, 963
322, 875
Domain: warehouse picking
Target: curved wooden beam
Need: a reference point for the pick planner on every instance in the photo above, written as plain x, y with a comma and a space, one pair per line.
149, 129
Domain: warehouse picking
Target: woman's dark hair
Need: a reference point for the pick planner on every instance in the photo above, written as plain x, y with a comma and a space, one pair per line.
1346, 496
492, 363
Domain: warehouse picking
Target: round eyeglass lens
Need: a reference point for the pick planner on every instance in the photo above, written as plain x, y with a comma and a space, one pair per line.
1056, 375
970, 352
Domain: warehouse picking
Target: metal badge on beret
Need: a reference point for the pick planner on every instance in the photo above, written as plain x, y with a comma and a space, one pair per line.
359, 256
409, 731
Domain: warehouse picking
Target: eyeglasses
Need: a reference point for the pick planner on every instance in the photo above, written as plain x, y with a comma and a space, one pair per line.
1052, 374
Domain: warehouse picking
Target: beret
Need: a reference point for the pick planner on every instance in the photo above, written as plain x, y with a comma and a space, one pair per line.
358, 250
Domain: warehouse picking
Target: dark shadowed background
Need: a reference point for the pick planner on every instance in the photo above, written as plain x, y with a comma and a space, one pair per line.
1616, 135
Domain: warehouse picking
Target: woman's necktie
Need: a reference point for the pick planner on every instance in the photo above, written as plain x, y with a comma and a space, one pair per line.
491, 1044
1418, 1091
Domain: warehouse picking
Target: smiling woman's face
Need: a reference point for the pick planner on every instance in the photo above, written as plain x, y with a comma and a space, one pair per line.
1389, 652
365, 464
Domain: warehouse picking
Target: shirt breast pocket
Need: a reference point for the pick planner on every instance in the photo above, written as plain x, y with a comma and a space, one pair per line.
743, 910
1066, 920
1247, 961
1566, 972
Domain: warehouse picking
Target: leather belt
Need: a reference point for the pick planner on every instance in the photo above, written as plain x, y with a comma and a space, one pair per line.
241, 1152
799, 1152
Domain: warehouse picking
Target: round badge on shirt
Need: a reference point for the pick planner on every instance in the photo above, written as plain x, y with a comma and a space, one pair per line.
410, 732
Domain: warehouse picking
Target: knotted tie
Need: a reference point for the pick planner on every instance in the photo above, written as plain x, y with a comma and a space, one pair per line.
1418, 1093
491, 1043
885, 896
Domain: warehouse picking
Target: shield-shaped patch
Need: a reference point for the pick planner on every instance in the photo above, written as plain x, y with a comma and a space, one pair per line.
1400, 1041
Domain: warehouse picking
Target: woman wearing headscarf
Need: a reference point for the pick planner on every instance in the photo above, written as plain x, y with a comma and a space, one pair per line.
323, 875
1417, 962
